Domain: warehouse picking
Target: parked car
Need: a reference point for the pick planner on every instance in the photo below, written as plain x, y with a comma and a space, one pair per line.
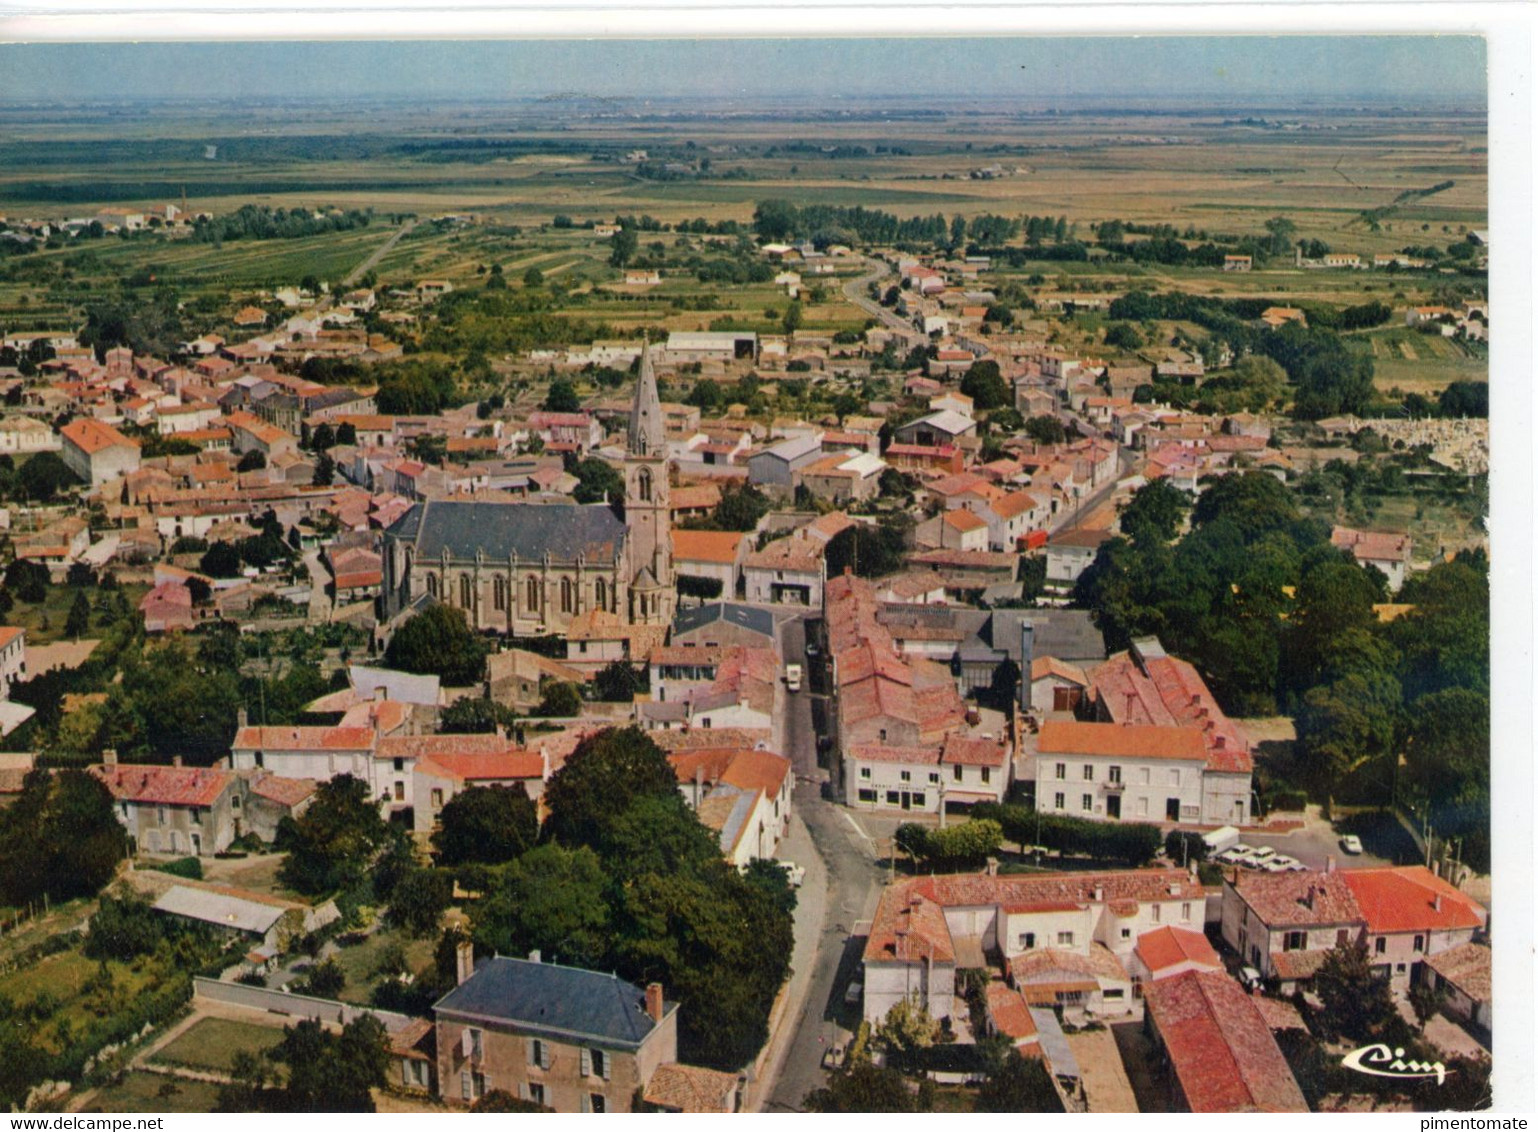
812, 651
1281, 863
793, 677
1263, 854
852, 995
1351, 843
793, 872
1236, 854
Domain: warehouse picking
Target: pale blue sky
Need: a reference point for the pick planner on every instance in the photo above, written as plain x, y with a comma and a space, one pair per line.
1271, 71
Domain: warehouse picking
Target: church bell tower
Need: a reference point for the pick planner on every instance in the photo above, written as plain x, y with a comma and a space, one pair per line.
648, 523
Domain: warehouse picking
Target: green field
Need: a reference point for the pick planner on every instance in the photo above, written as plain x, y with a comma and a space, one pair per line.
68, 985
212, 1043
360, 962
154, 1092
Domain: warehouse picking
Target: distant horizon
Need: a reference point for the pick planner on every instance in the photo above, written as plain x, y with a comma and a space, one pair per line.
1237, 73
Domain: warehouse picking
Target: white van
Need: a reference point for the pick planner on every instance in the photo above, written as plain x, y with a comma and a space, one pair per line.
1220, 839
793, 677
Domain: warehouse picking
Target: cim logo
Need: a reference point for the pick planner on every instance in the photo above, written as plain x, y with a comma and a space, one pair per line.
1378, 1060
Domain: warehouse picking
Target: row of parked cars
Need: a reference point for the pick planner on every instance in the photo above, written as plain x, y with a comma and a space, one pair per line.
1264, 859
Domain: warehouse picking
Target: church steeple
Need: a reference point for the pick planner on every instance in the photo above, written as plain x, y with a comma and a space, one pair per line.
646, 431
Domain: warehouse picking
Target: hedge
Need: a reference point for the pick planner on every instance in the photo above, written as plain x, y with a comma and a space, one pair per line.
189, 867
1136, 843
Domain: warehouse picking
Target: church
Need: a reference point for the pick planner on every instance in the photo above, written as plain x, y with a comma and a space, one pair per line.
530, 569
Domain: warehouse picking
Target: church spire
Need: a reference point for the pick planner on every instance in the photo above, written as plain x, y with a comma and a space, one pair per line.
646, 434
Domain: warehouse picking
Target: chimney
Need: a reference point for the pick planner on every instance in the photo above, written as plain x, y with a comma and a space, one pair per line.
241, 718
109, 757
176, 760
1308, 900
1220, 743
993, 868
699, 785
1329, 864
1099, 893
1436, 902
379, 694
535, 956
654, 1001
464, 960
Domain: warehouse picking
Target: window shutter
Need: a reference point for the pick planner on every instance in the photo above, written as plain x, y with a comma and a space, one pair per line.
605, 1066
464, 1084
466, 1042
530, 1050
544, 1055
587, 1064
587, 1103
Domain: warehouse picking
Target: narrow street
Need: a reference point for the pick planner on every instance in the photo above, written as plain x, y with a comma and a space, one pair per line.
853, 884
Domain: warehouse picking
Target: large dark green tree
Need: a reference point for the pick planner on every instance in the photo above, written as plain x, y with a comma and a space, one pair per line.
599, 781
551, 899
337, 839
60, 838
486, 825
439, 641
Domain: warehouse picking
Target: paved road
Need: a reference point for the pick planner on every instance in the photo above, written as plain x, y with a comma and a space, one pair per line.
853, 883
379, 253
855, 289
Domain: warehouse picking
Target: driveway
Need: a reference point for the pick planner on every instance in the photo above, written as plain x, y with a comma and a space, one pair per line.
1106, 1086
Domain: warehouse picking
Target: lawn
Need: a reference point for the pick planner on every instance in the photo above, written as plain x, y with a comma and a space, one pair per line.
152, 1092
59, 984
212, 1043
360, 961
45, 621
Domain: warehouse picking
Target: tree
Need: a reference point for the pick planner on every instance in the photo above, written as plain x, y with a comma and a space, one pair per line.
792, 320
335, 841
323, 438
419, 899
221, 560
533, 278
866, 1088
870, 551
123, 929
252, 461
1155, 512
438, 641
1357, 1002
500, 1100
906, 1029
1426, 1000
323, 980
562, 397
600, 779
1255, 502
597, 480
44, 476
1347, 723
1019, 1084
79, 620
1046, 429
551, 899
325, 471
561, 700
80, 575
332, 1072
61, 838
475, 715
619, 682
28, 580
1124, 336
1460, 399
486, 825
622, 247
740, 509
986, 385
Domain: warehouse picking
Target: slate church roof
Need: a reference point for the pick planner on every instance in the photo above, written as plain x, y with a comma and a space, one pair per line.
501, 530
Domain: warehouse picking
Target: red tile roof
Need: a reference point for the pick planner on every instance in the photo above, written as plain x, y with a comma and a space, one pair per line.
719, 547
688, 1088
1170, 947
1410, 899
485, 766
1121, 740
287, 792
1219, 1046
164, 785
304, 739
1299, 899
1010, 1014
1168, 692
908, 927
91, 436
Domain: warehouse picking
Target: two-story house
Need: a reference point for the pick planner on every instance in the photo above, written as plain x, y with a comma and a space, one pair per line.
565, 1038
1284, 924
1065, 940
